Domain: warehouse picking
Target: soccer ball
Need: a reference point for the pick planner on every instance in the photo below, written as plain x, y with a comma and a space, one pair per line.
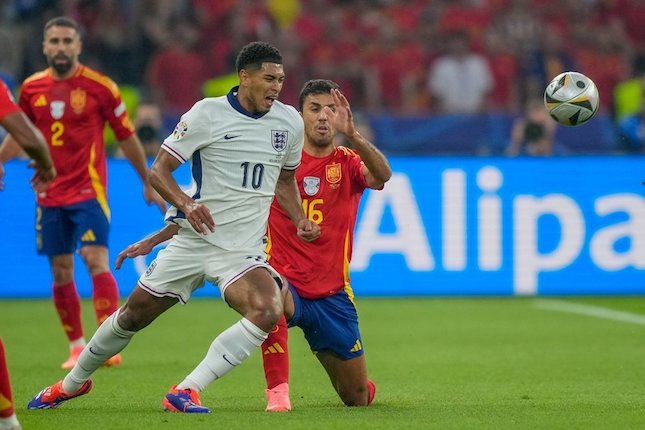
571, 98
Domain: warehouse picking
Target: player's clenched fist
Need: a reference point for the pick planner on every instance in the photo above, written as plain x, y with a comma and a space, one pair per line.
308, 230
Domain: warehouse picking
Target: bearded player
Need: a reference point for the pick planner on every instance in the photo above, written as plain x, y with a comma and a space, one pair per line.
70, 104
320, 299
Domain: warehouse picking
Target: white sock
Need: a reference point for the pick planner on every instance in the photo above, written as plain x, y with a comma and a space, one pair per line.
76, 343
230, 348
109, 339
10, 422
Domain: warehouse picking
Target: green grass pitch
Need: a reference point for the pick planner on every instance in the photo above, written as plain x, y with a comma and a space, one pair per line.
444, 363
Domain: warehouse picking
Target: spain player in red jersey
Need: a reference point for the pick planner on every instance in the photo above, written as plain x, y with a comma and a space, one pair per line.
320, 300
70, 104
32, 141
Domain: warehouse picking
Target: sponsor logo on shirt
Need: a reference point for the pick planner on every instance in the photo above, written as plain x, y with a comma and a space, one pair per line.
41, 101
279, 139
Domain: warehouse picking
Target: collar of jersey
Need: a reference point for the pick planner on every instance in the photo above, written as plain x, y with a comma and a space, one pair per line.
232, 99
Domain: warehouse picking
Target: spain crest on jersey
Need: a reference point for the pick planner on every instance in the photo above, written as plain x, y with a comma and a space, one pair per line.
77, 99
279, 139
333, 173
311, 185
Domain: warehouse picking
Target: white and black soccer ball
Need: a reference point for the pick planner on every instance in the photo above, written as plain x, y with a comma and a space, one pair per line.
571, 98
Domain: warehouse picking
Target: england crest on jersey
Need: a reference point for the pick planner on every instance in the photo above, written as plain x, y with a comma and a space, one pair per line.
279, 139
311, 185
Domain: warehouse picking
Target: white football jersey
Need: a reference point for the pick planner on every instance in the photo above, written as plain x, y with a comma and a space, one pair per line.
235, 159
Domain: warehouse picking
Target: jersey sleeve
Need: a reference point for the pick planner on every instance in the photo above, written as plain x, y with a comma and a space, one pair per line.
191, 134
7, 104
359, 184
292, 160
115, 112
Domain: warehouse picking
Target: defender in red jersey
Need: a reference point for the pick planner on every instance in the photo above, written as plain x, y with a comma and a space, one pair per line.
320, 300
32, 141
70, 104
331, 181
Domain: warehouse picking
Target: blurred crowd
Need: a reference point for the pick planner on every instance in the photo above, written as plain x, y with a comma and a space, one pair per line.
402, 57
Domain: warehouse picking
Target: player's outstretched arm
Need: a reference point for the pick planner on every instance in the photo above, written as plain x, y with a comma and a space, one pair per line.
146, 245
286, 192
133, 151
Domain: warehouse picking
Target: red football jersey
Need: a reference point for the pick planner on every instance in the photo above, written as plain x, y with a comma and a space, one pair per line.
331, 188
7, 104
71, 114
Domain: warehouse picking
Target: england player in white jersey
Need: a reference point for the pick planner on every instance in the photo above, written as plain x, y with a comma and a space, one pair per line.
243, 150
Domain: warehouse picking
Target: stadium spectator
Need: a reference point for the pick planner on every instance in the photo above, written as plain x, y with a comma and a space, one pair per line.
33, 142
148, 123
225, 140
109, 38
632, 132
533, 133
505, 96
178, 58
70, 104
546, 62
605, 60
459, 80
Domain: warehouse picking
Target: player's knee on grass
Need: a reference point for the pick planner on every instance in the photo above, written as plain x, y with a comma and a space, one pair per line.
354, 395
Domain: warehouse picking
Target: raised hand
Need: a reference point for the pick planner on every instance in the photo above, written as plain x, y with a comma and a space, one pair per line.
341, 117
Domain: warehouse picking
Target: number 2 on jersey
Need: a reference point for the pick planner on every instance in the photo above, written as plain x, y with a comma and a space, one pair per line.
57, 129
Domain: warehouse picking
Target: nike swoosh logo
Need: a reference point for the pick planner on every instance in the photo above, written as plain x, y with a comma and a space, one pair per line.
95, 353
231, 136
227, 360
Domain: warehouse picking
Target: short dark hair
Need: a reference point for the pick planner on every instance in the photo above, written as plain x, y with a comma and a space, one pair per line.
315, 86
252, 56
62, 21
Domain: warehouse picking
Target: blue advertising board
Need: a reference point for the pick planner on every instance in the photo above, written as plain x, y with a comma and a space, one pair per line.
441, 226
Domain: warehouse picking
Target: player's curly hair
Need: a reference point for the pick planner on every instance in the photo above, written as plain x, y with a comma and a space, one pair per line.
254, 54
315, 86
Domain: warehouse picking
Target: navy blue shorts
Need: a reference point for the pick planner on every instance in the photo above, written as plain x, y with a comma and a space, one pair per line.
59, 230
329, 324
